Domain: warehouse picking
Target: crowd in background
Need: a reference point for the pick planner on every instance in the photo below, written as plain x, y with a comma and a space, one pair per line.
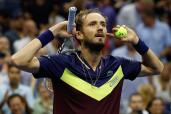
22, 20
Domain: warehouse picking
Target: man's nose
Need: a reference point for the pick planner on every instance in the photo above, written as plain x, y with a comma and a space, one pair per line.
100, 27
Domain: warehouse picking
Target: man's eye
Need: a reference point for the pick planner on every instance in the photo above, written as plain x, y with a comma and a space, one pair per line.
104, 25
92, 24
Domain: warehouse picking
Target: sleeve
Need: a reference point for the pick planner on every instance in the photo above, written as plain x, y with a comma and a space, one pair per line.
130, 68
50, 66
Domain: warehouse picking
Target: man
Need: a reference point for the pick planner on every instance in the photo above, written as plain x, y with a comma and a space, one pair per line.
85, 82
130, 13
15, 87
155, 33
4, 54
136, 104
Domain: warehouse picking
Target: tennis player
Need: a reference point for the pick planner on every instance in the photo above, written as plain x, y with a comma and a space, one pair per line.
86, 82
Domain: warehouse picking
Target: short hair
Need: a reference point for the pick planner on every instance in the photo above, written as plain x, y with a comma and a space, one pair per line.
149, 13
134, 94
81, 16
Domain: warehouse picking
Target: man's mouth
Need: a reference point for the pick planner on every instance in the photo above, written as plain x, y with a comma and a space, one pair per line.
99, 35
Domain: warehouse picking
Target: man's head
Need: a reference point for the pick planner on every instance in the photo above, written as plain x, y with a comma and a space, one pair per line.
43, 92
91, 29
136, 102
30, 28
148, 17
16, 104
4, 44
14, 76
144, 5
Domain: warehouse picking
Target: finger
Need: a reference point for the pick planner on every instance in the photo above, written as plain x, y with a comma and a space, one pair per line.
118, 26
109, 35
74, 30
114, 29
124, 26
65, 34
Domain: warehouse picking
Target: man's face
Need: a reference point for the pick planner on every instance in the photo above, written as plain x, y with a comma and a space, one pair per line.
136, 102
4, 45
14, 76
146, 20
17, 106
94, 28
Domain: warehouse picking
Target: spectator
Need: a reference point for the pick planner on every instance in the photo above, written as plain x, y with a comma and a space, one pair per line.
15, 87
130, 14
156, 106
136, 104
18, 105
43, 103
30, 31
162, 84
155, 33
4, 54
147, 92
16, 29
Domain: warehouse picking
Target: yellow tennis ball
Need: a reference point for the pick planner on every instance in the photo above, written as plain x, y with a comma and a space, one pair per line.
121, 32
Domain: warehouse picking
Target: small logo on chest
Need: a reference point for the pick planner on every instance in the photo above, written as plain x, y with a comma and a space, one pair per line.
109, 73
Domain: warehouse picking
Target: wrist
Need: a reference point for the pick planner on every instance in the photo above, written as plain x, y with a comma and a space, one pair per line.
54, 30
141, 47
135, 41
46, 37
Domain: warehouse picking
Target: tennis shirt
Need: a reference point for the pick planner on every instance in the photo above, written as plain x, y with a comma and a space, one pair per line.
78, 89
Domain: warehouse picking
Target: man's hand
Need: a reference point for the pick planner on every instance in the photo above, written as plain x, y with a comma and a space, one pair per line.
60, 29
131, 36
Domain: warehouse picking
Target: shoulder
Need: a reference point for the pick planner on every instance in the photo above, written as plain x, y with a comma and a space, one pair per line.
61, 58
109, 59
162, 25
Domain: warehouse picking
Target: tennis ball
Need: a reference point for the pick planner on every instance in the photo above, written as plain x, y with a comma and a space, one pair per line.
121, 32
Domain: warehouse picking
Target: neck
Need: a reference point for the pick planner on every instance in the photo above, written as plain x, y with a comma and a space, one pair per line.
93, 58
14, 87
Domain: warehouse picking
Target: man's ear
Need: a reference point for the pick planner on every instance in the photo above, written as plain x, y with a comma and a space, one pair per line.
79, 35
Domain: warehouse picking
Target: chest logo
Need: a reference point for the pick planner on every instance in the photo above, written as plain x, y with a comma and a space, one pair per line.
109, 73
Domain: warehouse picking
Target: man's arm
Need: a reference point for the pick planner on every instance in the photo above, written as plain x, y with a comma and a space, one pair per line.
25, 58
151, 64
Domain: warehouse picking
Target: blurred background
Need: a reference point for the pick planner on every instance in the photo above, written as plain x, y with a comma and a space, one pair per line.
22, 20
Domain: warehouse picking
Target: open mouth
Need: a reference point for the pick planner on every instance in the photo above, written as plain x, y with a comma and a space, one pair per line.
99, 35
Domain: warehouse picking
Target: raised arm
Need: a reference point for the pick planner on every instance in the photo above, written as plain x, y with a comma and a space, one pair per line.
25, 58
151, 64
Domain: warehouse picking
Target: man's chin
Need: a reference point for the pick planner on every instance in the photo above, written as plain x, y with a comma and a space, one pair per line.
94, 46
